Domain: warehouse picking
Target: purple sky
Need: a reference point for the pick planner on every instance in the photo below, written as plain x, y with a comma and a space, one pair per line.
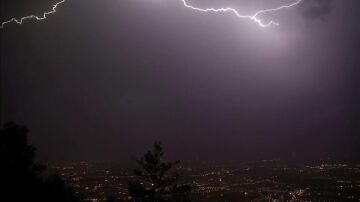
103, 79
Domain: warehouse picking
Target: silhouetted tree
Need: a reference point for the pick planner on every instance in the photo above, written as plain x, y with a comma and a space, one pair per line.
21, 179
111, 199
154, 181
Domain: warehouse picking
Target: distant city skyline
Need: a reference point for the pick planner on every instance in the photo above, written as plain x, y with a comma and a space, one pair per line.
246, 181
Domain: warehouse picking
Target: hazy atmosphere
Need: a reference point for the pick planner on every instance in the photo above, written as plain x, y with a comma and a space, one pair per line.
102, 78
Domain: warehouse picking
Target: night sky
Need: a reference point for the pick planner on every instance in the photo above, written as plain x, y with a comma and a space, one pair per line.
104, 79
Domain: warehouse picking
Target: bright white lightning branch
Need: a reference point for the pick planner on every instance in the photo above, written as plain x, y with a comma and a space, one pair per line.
43, 17
253, 17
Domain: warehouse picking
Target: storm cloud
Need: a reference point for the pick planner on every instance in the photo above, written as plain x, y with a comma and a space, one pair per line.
101, 80
316, 9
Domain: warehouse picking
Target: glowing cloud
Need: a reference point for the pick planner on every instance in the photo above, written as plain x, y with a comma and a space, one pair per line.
253, 17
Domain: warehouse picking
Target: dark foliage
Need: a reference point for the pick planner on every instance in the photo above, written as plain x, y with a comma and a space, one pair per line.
155, 182
112, 199
21, 179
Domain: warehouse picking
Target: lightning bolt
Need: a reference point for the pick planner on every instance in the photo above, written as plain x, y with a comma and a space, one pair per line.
253, 17
43, 17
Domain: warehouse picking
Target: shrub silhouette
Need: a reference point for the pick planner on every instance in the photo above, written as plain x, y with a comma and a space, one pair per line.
154, 181
21, 179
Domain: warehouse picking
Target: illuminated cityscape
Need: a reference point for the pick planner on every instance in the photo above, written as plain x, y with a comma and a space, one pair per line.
271, 180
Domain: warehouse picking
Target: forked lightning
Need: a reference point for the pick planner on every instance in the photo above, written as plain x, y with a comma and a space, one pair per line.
43, 17
253, 17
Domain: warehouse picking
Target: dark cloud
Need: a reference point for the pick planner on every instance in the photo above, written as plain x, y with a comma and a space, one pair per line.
315, 9
101, 80
19, 8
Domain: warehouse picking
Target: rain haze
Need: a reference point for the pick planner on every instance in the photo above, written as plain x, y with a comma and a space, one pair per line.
103, 79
